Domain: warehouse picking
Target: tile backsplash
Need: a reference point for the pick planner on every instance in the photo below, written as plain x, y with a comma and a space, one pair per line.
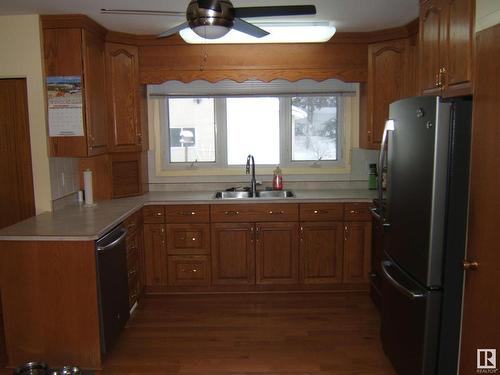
64, 177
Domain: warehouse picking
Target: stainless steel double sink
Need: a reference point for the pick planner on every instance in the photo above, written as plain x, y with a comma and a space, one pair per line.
264, 194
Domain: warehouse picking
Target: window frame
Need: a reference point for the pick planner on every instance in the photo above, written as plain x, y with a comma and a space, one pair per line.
220, 128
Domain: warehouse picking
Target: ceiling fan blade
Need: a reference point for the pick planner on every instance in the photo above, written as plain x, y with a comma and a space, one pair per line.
275, 11
173, 30
210, 4
248, 28
142, 12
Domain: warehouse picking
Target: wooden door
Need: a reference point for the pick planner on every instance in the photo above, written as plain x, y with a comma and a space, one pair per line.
17, 200
122, 72
155, 255
460, 36
480, 328
94, 70
432, 27
233, 254
321, 247
277, 253
386, 83
357, 252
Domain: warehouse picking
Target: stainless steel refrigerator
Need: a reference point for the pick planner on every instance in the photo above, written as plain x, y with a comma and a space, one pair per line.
425, 149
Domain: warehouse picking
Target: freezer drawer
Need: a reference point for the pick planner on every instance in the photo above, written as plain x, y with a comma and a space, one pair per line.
410, 322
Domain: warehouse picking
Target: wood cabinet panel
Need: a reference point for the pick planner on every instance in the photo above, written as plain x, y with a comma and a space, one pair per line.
133, 222
122, 67
233, 254
359, 211
460, 41
153, 214
321, 211
357, 252
94, 67
189, 270
446, 47
155, 255
187, 213
386, 83
277, 253
188, 239
237, 213
321, 248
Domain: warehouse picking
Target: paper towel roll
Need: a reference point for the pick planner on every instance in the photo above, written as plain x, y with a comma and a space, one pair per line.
87, 187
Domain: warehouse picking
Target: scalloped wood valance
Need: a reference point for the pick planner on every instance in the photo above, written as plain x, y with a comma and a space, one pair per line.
345, 60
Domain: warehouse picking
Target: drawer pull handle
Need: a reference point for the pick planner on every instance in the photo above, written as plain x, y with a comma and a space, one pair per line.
354, 212
186, 213
159, 214
316, 212
271, 212
132, 272
231, 213
185, 270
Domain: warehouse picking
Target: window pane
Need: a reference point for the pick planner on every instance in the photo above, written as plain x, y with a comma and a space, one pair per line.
191, 130
253, 128
314, 128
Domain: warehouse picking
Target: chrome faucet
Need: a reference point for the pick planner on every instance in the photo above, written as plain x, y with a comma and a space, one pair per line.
253, 182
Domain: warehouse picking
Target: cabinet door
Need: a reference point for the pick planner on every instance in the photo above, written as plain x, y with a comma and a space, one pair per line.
155, 257
188, 239
357, 252
94, 70
123, 107
321, 252
233, 254
432, 28
277, 253
386, 79
459, 42
189, 270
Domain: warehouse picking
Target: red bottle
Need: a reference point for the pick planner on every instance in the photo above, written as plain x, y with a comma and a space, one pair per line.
277, 179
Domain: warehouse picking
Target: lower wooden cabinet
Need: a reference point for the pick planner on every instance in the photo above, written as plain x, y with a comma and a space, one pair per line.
357, 252
277, 253
188, 270
155, 254
233, 254
321, 249
188, 239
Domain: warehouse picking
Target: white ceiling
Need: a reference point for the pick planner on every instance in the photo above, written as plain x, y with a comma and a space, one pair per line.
346, 15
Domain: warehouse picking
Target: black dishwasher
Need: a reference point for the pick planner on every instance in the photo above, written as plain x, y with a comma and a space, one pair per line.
112, 286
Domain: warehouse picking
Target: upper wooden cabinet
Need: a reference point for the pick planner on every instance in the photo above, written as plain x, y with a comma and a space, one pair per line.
446, 46
76, 48
126, 130
386, 83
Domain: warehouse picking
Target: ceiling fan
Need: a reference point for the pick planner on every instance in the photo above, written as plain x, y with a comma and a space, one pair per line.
212, 19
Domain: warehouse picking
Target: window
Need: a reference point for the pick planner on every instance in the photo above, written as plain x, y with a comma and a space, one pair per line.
299, 130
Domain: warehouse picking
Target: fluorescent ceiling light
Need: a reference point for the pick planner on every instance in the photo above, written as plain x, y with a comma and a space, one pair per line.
289, 32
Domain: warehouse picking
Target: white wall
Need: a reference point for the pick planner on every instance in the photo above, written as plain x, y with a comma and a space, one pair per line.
21, 57
487, 14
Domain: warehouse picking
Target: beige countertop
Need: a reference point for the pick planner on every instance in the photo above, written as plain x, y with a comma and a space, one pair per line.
80, 223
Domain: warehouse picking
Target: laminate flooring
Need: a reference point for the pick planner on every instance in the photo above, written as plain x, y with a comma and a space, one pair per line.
229, 334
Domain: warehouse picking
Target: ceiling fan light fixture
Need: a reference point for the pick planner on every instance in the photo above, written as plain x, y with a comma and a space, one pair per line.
279, 32
210, 31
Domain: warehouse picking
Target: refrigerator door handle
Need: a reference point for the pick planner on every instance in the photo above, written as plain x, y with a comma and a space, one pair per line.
389, 126
375, 213
408, 293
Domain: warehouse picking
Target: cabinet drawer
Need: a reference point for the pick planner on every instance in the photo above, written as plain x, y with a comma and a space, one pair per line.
188, 239
154, 214
321, 211
187, 214
241, 213
357, 211
132, 222
192, 270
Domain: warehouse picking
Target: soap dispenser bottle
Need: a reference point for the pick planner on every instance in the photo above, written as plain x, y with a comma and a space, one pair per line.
277, 179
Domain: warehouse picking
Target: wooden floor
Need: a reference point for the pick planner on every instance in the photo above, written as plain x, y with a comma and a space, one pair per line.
251, 334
